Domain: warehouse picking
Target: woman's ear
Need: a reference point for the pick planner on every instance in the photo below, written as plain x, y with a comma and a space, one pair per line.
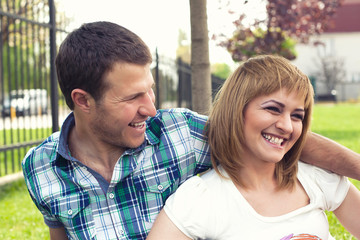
81, 99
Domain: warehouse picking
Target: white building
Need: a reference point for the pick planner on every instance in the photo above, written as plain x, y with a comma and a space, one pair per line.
342, 42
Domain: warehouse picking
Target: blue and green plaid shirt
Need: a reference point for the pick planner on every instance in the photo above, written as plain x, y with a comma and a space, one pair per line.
70, 194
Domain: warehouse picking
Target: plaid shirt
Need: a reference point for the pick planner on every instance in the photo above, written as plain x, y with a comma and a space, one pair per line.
66, 192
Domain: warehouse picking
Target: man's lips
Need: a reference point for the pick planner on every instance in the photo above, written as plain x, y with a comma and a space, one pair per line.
137, 125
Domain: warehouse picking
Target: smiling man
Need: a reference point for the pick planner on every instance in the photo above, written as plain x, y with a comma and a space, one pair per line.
108, 172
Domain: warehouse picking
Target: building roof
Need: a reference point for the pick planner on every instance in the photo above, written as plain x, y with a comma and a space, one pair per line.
347, 18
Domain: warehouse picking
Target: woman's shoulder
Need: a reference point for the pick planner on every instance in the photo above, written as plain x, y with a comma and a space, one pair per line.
197, 189
201, 184
330, 187
317, 173
194, 205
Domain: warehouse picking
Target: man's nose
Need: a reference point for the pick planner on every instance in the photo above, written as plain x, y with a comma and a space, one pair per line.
148, 105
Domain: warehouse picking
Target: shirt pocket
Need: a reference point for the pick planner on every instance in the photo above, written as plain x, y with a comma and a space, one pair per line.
75, 213
153, 187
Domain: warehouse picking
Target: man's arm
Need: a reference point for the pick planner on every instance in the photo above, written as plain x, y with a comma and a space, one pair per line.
326, 153
58, 234
348, 213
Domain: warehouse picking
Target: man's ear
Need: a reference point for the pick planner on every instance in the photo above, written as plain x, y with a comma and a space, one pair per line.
81, 99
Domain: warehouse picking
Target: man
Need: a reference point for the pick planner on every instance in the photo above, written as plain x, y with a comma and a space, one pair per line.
108, 172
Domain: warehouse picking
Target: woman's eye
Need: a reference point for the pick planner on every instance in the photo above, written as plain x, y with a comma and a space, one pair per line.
273, 109
299, 116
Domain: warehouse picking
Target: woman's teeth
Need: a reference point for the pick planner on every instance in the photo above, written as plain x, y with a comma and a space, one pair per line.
274, 140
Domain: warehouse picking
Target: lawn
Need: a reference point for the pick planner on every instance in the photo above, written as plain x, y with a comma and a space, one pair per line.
19, 218
339, 122
11, 137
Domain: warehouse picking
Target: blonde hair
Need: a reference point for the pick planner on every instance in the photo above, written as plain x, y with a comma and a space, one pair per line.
258, 76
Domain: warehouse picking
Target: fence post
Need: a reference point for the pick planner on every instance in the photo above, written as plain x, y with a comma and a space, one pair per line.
53, 80
180, 77
157, 80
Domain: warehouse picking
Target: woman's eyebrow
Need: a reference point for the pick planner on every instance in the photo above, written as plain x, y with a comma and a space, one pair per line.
274, 101
282, 105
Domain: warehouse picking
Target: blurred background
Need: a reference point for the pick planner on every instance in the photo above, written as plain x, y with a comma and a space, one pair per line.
319, 36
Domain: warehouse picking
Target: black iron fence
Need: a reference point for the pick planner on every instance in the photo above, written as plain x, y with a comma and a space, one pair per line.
29, 99
173, 81
30, 103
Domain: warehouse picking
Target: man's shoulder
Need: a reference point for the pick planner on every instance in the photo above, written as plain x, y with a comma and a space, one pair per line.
169, 117
175, 122
39, 169
43, 153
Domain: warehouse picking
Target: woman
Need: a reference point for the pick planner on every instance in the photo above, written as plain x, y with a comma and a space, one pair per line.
258, 189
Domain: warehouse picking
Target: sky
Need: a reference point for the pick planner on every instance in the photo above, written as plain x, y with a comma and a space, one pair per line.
158, 22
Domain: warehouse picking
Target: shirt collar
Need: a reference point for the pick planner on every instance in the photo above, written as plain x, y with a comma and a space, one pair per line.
153, 129
152, 136
63, 149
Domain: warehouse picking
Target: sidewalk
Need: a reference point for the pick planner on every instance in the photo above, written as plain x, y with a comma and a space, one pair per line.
10, 178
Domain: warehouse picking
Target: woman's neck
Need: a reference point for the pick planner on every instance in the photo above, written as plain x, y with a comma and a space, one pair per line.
257, 175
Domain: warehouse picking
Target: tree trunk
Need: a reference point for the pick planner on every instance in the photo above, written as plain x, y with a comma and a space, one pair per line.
200, 64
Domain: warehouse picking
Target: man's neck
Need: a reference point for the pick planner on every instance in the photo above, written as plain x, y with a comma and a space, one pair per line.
93, 154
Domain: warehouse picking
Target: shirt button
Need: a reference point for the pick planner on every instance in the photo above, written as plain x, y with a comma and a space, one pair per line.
121, 232
70, 212
111, 195
160, 187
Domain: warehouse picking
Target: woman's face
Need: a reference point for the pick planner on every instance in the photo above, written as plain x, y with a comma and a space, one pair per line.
272, 125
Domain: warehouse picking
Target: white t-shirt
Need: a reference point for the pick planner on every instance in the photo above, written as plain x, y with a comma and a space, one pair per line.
211, 207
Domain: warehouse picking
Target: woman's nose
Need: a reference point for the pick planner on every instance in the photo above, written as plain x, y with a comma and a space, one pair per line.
285, 123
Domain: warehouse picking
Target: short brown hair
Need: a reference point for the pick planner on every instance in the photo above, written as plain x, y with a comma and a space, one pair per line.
258, 76
89, 52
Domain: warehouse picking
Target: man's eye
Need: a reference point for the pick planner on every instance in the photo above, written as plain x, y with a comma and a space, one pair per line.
132, 98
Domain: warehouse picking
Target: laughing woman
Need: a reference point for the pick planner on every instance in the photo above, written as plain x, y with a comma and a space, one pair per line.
258, 189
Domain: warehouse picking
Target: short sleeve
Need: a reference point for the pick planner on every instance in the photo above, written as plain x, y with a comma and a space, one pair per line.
333, 186
49, 220
187, 208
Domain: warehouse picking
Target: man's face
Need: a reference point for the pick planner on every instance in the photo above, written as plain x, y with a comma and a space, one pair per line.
118, 119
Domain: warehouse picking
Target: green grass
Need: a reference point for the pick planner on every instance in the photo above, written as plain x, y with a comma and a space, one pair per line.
20, 219
339, 122
9, 159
